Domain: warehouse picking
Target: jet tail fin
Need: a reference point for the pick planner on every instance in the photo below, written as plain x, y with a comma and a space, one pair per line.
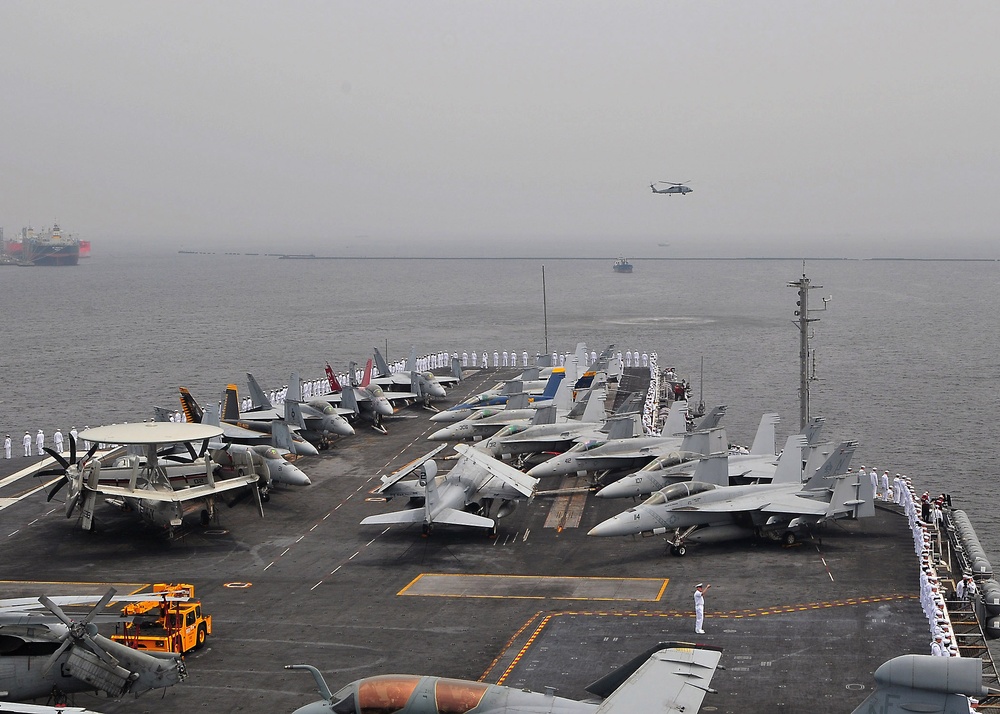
456, 368
193, 413
676, 422
332, 379
911, 683
544, 415
836, 464
367, 378
713, 468
349, 400
555, 379
622, 427
161, 414
381, 366
763, 441
594, 408
257, 396
705, 442
293, 414
712, 419
281, 436
230, 404
789, 469
294, 392
212, 416
813, 429
518, 401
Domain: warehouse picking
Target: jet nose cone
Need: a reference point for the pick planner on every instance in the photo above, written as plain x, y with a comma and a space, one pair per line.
293, 475
449, 415
441, 435
341, 427
622, 488
384, 408
304, 448
436, 390
543, 469
622, 524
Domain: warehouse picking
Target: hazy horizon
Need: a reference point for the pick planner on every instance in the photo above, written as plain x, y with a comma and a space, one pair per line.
826, 129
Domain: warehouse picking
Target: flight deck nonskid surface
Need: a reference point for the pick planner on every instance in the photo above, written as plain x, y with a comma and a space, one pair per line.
801, 627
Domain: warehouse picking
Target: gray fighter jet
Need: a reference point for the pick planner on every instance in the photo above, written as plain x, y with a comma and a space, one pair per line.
47, 653
704, 512
463, 496
669, 678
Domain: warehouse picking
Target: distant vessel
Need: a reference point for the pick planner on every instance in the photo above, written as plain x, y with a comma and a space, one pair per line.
85, 249
47, 247
622, 266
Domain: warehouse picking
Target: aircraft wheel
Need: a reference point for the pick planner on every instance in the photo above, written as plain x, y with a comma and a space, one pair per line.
206, 517
202, 635
790, 538
678, 550
426, 529
265, 496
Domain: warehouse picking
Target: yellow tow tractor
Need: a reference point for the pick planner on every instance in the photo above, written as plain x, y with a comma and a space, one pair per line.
162, 625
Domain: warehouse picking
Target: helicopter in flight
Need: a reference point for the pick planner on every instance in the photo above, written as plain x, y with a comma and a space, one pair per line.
672, 187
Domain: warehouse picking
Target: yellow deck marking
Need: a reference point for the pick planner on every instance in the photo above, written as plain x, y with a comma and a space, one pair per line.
537, 587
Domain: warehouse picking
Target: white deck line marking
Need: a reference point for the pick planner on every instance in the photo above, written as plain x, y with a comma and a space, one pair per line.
284, 551
33, 522
14, 533
336, 569
300, 538
313, 528
268, 565
327, 515
316, 585
371, 541
355, 555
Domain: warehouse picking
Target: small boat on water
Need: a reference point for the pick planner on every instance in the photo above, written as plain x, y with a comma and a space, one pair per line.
622, 266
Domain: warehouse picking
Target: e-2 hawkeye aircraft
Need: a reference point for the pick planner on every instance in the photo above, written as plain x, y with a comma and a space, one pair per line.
671, 678
51, 653
159, 492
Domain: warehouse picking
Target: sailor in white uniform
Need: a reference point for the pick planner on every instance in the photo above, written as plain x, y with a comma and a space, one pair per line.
73, 432
886, 493
699, 607
486, 360
496, 358
505, 358
57, 441
26, 441
6, 447
524, 358
39, 442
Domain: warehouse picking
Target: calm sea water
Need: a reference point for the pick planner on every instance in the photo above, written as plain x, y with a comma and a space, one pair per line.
908, 354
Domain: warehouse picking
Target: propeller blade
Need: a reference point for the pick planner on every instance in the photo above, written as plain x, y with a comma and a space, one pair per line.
190, 450
101, 604
99, 651
178, 458
91, 452
58, 457
62, 482
204, 449
50, 662
72, 449
55, 610
51, 472
71, 505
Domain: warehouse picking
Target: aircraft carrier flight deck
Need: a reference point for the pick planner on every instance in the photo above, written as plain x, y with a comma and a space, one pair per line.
540, 604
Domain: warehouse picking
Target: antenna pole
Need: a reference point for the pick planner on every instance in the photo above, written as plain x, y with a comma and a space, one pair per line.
802, 314
545, 312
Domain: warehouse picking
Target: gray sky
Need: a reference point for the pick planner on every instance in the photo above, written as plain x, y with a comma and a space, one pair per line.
848, 128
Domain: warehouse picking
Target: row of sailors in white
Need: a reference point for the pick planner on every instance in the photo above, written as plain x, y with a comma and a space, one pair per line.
932, 596
881, 485
650, 413
59, 444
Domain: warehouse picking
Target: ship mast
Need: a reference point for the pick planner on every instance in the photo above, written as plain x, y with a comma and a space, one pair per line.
802, 313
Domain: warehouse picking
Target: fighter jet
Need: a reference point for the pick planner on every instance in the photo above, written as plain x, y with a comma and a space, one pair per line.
53, 653
756, 467
671, 677
620, 453
493, 399
425, 386
461, 497
704, 512
269, 460
317, 420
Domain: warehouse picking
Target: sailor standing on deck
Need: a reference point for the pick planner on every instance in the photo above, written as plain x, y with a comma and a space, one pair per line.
6, 447
39, 442
886, 493
57, 441
699, 607
26, 441
72, 433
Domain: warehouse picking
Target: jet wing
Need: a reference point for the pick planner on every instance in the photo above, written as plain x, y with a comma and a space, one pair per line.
181, 494
411, 515
399, 474
772, 501
518, 479
671, 681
